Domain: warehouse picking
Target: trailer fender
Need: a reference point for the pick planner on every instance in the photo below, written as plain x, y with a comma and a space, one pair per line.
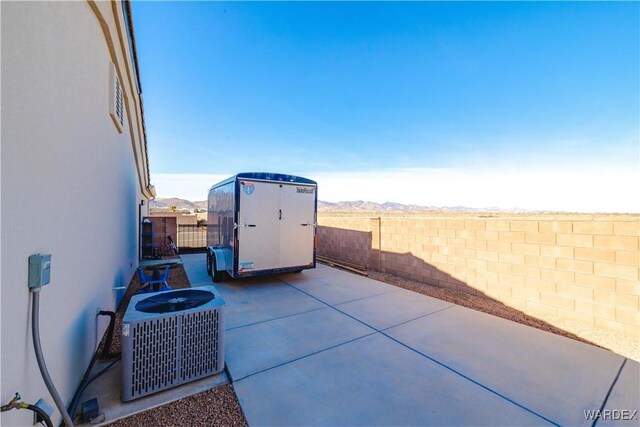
221, 264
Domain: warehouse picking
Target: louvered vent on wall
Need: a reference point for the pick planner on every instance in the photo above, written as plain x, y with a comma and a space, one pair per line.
116, 99
169, 348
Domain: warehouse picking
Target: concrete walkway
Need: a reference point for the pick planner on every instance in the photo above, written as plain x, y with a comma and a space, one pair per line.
327, 347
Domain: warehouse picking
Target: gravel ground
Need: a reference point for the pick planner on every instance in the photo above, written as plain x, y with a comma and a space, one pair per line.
618, 343
216, 407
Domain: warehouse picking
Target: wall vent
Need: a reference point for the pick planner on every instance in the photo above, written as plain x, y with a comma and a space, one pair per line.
116, 99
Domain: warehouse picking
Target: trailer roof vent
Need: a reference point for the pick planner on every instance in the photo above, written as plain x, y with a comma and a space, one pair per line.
116, 99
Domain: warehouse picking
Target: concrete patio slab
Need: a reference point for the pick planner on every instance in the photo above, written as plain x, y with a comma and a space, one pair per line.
298, 349
250, 300
391, 309
254, 348
371, 381
254, 300
196, 269
549, 374
337, 288
623, 405
322, 271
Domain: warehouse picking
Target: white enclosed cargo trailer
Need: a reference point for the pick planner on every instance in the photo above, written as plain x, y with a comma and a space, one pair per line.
261, 223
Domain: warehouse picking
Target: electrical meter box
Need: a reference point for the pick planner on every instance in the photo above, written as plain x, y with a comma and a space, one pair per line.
39, 270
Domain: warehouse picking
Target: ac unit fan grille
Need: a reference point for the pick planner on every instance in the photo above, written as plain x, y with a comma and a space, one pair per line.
174, 301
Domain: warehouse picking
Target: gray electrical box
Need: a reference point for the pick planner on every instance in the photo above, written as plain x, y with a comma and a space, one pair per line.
39, 270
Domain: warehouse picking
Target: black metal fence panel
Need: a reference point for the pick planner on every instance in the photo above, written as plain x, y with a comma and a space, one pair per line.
192, 236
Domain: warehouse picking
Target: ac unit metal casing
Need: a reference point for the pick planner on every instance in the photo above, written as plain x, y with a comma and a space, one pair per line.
164, 350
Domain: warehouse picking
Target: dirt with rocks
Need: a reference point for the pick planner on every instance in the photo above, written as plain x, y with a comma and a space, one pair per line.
215, 407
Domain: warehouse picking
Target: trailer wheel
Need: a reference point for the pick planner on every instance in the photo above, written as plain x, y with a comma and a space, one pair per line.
216, 275
209, 263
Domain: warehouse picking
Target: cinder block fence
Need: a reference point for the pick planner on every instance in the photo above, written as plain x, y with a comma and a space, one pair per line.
583, 270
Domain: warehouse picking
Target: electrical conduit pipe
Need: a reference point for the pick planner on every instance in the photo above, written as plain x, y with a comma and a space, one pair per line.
35, 329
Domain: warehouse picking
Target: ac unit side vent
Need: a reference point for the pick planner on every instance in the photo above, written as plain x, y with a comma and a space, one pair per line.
199, 344
154, 357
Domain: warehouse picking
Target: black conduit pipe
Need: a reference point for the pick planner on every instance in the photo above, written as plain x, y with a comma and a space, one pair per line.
41, 413
106, 353
16, 404
73, 407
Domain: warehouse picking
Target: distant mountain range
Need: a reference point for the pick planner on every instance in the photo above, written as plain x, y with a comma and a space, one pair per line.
160, 203
362, 206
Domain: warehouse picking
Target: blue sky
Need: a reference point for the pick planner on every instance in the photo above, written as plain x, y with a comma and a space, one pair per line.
530, 105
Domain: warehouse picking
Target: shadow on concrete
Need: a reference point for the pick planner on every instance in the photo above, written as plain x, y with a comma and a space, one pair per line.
410, 272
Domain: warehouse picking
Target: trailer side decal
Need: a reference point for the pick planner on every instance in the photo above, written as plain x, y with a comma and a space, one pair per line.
247, 187
246, 266
305, 190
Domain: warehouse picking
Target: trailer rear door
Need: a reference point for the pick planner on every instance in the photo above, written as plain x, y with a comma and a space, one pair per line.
297, 203
258, 226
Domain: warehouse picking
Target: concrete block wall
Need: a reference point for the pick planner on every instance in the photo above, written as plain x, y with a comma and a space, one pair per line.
583, 270
345, 239
164, 226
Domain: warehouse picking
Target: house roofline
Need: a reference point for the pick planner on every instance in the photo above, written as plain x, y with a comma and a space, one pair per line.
134, 53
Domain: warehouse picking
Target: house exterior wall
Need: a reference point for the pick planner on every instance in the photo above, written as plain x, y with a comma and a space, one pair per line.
578, 268
71, 187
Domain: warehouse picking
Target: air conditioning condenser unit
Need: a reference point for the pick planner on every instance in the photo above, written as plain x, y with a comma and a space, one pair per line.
171, 338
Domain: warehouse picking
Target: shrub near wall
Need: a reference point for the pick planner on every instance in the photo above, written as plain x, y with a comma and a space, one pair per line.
578, 268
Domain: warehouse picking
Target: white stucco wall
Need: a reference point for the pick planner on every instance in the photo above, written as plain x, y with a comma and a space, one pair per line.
69, 187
